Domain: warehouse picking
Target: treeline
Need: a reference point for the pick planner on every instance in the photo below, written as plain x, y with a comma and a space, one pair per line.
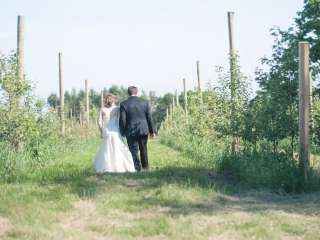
254, 140
75, 101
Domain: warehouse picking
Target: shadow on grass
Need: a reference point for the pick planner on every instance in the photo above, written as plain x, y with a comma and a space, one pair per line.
224, 195
228, 195
215, 193
85, 183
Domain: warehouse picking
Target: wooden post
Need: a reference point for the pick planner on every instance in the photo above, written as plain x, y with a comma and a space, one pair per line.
61, 94
231, 51
231, 31
20, 52
173, 102
311, 125
185, 96
71, 117
232, 57
304, 107
151, 99
81, 118
311, 105
166, 122
87, 102
198, 76
102, 100
20, 47
177, 98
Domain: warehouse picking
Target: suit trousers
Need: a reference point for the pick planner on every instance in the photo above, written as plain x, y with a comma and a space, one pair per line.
139, 143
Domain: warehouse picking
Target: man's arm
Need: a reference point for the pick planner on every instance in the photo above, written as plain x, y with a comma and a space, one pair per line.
151, 126
122, 120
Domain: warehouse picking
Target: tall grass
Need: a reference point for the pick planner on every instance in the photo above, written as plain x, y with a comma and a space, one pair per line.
37, 155
254, 165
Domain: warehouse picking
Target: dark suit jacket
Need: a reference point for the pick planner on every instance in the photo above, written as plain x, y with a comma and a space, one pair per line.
135, 118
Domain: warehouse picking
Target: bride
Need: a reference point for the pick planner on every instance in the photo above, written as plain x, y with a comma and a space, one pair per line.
114, 155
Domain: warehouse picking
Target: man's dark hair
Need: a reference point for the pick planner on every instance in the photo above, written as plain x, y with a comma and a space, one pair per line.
132, 90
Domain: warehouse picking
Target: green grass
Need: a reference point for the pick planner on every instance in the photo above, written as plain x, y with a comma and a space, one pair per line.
177, 199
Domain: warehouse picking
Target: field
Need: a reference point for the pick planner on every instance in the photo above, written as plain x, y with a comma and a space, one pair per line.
177, 199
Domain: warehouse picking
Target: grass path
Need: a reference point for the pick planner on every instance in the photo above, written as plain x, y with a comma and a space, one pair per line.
178, 199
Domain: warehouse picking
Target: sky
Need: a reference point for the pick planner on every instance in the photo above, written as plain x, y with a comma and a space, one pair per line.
147, 43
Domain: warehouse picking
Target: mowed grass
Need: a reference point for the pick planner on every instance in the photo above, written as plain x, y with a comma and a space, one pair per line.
177, 199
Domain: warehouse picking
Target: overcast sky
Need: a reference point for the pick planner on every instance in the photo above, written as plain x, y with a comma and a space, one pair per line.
148, 43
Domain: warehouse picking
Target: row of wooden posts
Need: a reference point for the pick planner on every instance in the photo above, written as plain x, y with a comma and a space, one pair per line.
87, 99
232, 66
21, 74
61, 97
304, 87
305, 93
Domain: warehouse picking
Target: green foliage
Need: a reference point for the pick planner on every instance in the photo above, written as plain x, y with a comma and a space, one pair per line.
30, 135
259, 167
160, 108
16, 119
308, 29
265, 128
178, 199
12, 90
316, 120
277, 100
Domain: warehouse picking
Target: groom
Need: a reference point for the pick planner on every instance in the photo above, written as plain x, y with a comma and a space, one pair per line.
136, 124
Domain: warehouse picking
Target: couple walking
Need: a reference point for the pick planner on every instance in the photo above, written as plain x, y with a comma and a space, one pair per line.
133, 120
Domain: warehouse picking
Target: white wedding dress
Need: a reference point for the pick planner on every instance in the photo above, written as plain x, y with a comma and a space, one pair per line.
114, 155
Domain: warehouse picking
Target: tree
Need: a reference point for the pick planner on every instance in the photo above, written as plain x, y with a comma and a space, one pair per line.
279, 83
161, 108
53, 100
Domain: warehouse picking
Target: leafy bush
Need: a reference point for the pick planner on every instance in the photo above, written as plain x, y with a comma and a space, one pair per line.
262, 169
266, 141
30, 135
